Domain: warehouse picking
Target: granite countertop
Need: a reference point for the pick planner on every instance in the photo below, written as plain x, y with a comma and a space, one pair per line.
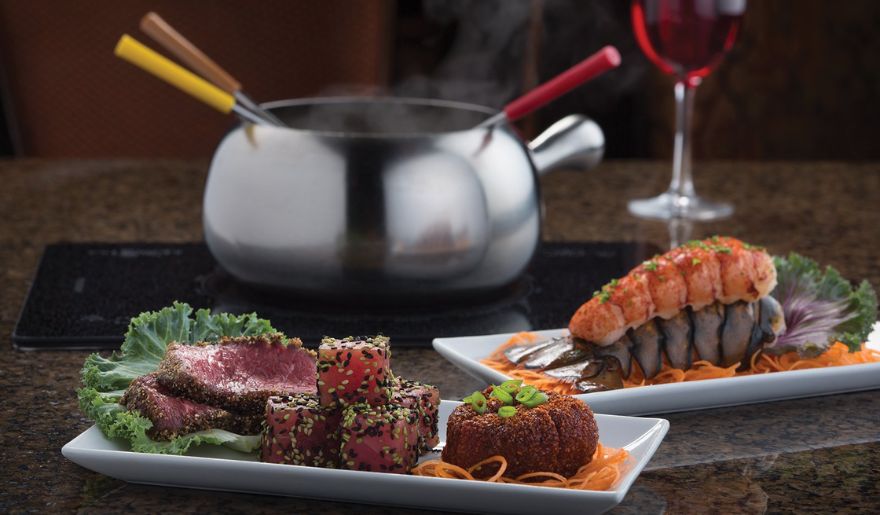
820, 454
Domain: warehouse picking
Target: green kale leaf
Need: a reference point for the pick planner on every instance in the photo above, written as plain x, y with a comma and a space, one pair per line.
105, 379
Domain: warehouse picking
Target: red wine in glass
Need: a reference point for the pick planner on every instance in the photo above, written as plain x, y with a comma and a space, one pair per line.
686, 39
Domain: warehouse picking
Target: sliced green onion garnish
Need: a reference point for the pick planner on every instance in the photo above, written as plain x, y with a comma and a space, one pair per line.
526, 393
478, 402
535, 400
506, 411
472, 396
511, 386
501, 395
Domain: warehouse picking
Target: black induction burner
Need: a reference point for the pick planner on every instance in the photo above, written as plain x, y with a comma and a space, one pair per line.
84, 295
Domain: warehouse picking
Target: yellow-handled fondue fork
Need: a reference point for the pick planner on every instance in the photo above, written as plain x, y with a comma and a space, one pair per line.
143, 57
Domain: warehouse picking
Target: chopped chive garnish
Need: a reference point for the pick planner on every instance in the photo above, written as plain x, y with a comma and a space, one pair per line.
697, 244
650, 266
695, 262
605, 294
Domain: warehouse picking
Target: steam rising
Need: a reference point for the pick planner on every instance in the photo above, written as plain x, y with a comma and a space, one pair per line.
484, 64
486, 60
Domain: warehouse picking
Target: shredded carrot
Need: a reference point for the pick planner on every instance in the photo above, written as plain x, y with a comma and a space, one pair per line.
601, 473
502, 467
439, 468
836, 355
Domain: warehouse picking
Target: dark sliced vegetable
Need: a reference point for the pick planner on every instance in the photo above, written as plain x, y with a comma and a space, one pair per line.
569, 357
621, 350
573, 371
518, 353
548, 354
609, 376
588, 386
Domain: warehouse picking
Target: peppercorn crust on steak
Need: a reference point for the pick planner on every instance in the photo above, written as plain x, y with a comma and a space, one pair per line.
174, 416
220, 385
238, 374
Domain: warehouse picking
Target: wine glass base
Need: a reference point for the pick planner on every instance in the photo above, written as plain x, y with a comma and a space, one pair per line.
668, 206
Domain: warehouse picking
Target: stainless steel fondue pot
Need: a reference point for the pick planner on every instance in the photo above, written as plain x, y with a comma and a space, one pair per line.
383, 198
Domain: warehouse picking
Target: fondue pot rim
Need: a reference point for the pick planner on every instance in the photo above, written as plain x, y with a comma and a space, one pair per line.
413, 101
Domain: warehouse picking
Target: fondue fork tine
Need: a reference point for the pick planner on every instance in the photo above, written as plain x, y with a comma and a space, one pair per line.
157, 28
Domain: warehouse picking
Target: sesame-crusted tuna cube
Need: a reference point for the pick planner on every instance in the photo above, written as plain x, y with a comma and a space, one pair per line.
379, 439
354, 370
299, 431
425, 399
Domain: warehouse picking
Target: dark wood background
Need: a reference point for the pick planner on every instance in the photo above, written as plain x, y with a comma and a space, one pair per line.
803, 81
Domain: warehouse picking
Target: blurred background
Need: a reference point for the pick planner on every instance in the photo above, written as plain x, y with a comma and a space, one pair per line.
802, 82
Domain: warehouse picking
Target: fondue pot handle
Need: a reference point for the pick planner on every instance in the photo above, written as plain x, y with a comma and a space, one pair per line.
574, 141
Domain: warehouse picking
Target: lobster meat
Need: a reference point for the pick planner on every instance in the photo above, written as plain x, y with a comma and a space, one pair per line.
708, 298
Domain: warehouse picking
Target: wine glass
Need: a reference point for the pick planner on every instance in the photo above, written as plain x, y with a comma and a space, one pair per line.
685, 39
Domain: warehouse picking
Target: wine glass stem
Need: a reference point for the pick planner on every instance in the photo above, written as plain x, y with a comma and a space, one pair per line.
682, 185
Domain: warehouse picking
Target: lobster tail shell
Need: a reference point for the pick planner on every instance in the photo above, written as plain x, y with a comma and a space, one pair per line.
695, 275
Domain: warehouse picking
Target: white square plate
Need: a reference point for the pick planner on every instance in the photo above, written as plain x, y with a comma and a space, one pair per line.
218, 468
466, 353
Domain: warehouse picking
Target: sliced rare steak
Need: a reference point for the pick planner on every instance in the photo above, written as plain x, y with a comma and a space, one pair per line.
238, 374
172, 416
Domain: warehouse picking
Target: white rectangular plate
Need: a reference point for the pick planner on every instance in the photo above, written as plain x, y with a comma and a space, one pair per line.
217, 468
466, 353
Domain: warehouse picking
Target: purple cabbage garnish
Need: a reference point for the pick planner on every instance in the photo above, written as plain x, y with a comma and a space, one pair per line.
820, 308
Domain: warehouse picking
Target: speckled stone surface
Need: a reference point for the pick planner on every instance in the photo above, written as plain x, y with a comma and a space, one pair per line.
814, 455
